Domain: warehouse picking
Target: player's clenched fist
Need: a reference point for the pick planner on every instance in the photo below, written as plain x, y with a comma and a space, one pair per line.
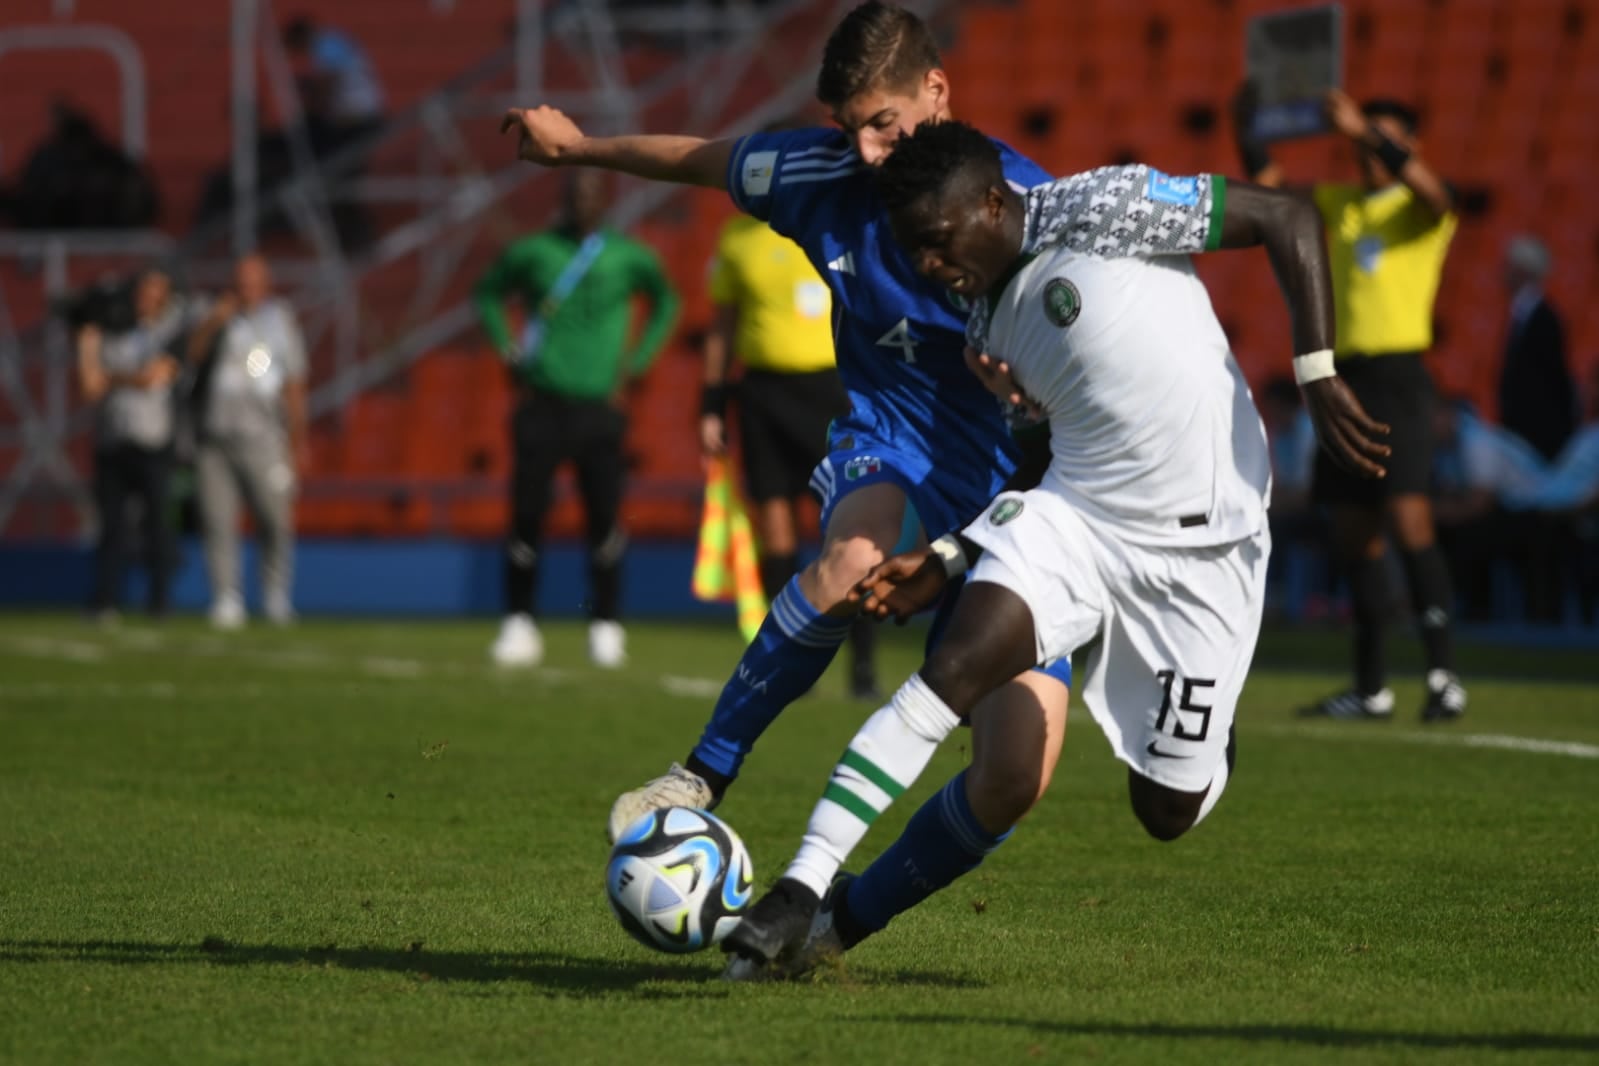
1351, 436
899, 587
544, 135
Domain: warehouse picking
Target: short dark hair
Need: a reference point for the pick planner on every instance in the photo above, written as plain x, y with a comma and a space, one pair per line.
877, 45
1384, 107
927, 160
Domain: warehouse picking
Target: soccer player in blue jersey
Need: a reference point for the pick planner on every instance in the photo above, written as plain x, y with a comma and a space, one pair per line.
921, 429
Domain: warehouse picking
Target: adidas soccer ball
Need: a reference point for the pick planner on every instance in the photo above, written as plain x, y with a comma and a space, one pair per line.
678, 879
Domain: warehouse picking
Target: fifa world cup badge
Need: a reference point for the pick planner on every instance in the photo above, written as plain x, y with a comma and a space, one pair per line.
1062, 303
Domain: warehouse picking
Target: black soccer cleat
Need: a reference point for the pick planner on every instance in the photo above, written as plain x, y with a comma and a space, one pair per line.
776, 926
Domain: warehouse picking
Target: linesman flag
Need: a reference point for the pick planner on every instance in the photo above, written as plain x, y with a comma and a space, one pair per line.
725, 567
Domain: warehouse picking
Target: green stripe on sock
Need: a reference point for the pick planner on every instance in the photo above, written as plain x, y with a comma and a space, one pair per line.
851, 802
872, 772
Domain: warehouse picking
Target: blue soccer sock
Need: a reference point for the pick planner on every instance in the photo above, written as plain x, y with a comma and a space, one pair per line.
789, 654
942, 842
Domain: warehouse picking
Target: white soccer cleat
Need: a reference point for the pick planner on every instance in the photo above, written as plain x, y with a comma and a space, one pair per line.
227, 612
675, 788
279, 610
519, 644
607, 644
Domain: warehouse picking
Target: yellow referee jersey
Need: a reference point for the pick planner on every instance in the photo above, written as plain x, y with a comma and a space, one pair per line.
784, 310
1387, 250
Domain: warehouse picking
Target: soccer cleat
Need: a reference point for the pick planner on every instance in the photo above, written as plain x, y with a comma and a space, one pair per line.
1351, 704
279, 610
519, 642
227, 612
775, 929
607, 644
832, 933
675, 788
1446, 697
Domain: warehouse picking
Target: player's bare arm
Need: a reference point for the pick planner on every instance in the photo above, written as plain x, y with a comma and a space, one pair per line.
546, 136
1290, 229
1396, 150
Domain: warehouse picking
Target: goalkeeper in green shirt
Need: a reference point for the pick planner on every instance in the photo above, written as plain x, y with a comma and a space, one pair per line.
574, 360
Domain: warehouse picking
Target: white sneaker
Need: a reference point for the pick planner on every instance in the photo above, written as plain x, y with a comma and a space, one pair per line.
607, 644
279, 610
519, 644
227, 611
675, 788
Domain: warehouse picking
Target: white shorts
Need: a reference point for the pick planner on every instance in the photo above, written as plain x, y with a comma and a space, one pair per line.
1172, 629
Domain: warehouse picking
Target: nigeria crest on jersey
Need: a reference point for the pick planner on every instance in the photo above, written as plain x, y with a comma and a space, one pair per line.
1004, 511
1062, 303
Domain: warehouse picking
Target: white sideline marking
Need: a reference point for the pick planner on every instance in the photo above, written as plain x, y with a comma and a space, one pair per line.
75, 651
694, 687
1366, 731
406, 669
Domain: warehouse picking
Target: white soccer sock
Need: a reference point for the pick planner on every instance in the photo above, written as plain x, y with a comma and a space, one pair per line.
885, 757
1218, 785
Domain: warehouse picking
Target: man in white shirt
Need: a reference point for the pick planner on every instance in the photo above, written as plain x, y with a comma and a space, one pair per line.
253, 439
1146, 541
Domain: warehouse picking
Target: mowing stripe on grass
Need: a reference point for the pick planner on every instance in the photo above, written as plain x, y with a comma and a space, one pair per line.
1572, 749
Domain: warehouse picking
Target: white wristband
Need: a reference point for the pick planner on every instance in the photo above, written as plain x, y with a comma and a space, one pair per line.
948, 549
1313, 366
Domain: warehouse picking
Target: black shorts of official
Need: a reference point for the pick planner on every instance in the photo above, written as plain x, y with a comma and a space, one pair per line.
783, 421
1395, 389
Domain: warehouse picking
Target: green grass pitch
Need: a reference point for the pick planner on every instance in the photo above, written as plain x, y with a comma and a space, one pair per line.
358, 843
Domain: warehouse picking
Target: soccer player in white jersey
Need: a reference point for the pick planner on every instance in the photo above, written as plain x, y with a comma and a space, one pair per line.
1146, 541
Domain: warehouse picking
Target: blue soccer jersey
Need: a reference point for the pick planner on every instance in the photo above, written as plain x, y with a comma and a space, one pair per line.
917, 416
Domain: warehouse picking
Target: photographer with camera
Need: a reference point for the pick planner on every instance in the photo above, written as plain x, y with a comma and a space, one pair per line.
127, 369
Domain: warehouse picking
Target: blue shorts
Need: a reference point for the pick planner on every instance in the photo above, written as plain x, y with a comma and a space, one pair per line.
944, 500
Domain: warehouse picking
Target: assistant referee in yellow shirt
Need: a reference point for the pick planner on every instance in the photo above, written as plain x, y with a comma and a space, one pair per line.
1387, 239
774, 314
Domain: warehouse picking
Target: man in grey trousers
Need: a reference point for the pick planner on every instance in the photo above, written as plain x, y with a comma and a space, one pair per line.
252, 439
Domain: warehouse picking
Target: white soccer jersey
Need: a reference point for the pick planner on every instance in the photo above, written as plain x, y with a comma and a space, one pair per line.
1153, 430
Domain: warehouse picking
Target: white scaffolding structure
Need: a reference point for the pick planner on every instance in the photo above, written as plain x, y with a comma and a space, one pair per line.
446, 188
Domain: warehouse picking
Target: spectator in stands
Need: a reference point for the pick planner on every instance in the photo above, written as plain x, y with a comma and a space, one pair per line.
76, 179
1537, 397
1481, 473
339, 88
774, 314
1388, 237
343, 102
1296, 528
1569, 495
576, 284
128, 372
252, 439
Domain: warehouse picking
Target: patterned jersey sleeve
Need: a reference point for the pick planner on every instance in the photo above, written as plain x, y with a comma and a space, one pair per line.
1117, 212
785, 178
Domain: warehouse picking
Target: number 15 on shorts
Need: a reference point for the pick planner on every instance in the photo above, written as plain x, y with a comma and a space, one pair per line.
1189, 718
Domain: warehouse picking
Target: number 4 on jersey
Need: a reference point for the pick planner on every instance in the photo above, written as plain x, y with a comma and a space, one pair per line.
900, 337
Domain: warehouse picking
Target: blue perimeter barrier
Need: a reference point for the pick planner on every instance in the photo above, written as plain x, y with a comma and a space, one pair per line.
378, 577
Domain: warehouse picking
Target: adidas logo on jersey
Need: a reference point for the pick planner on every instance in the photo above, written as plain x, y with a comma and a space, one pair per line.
844, 264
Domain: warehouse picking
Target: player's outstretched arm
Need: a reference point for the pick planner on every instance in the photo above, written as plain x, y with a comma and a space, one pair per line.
549, 138
1290, 229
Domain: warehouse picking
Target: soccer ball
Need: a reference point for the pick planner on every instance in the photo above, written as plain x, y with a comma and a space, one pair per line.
678, 879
